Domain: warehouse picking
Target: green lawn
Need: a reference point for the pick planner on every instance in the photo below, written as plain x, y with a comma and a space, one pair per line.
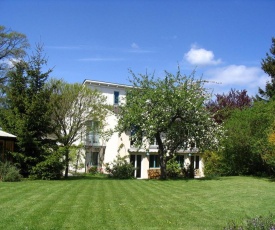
99, 203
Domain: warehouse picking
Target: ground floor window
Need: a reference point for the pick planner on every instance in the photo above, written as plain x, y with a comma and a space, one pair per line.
154, 161
136, 162
180, 160
94, 159
195, 162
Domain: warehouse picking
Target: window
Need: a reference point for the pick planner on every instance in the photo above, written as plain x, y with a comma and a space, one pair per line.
153, 141
180, 160
197, 166
135, 135
195, 162
94, 159
92, 135
154, 161
116, 97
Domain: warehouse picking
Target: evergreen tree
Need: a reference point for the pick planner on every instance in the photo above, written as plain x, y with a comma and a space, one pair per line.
26, 110
268, 66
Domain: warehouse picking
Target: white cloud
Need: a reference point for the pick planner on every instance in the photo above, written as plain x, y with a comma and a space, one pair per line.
237, 77
199, 56
9, 63
135, 45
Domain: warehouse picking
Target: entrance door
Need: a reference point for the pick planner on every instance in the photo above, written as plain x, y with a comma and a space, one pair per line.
136, 162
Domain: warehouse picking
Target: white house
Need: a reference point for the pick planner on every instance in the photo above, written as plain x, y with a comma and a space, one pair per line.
100, 150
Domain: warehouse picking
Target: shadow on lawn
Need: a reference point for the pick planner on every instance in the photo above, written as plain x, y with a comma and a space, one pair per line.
88, 177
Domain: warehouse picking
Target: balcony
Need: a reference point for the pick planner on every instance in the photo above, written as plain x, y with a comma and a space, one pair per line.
92, 140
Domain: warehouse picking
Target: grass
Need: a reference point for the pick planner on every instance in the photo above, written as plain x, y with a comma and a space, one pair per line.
94, 202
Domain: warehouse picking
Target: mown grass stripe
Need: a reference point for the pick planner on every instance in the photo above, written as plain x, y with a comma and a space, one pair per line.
100, 203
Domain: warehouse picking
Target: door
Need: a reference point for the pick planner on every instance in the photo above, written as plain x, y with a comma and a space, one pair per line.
136, 162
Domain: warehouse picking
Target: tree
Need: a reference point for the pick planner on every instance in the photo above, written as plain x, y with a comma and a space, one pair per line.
172, 107
26, 111
12, 46
224, 104
73, 105
268, 66
246, 145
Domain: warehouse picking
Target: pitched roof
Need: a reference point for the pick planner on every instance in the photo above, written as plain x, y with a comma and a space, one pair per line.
5, 134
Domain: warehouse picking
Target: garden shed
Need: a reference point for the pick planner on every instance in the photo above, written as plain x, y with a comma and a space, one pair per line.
7, 141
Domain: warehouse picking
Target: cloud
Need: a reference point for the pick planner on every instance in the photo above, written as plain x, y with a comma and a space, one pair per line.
237, 77
9, 63
135, 48
135, 45
199, 56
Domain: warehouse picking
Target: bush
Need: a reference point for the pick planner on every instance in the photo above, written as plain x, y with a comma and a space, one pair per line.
93, 170
8, 172
50, 169
258, 223
173, 168
213, 164
189, 172
120, 168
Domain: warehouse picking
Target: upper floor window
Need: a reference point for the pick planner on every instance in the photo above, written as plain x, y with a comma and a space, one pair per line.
135, 135
92, 133
116, 97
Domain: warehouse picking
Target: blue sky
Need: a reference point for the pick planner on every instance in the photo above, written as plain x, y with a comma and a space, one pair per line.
101, 40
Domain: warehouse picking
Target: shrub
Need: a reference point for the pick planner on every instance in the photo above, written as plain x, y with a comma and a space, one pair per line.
93, 170
189, 172
8, 172
258, 223
213, 164
173, 168
50, 169
120, 168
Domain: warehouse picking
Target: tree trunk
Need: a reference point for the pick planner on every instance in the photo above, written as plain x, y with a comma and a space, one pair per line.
66, 162
162, 159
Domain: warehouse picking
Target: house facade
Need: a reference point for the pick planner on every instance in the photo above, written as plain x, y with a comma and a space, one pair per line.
100, 150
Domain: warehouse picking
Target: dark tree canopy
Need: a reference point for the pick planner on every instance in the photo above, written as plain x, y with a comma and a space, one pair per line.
268, 66
25, 111
224, 104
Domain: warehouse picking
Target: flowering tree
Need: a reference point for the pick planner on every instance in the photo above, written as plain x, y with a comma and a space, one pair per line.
73, 105
173, 108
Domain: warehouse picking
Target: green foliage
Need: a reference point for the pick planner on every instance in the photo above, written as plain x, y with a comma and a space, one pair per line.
93, 170
189, 171
213, 165
120, 168
268, 66
76, 155
51, 168
173, 168
246, 147
73, 106
25, 111
257, 223
8, 172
